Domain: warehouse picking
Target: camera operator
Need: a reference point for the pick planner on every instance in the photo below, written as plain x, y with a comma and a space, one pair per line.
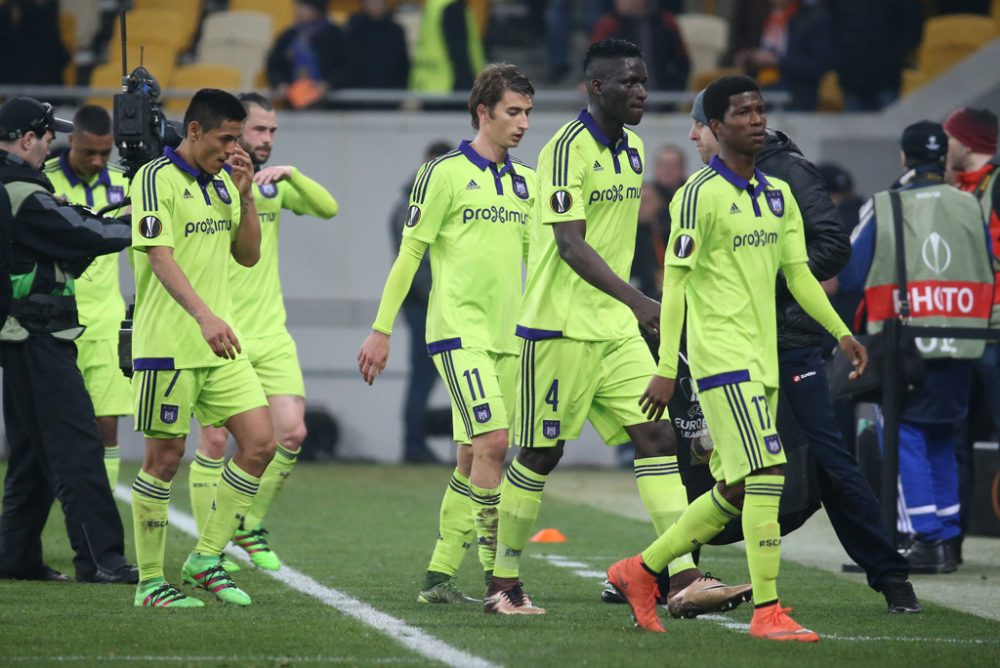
55, 448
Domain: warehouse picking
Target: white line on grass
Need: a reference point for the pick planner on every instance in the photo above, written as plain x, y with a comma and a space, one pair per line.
410, 637
745, 628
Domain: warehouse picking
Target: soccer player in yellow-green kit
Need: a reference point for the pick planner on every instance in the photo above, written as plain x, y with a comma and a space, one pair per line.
83, 176
582, 355
471, 208
259, 315
188, 217
734, 229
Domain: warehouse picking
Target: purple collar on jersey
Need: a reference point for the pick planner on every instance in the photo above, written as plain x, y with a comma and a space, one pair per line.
737, 180
590, 123
482, 163
200, 176
73, 179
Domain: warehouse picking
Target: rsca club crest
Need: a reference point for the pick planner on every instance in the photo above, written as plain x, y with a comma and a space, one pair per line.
520, 186
115, 194
220, 189
550, 428
269, 190
413, 216
775, 202
168, 413
773, 444
634, 160
482, 413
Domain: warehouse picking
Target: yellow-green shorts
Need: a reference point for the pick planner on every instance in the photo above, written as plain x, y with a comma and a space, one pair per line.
165, 400
275, 359
562, 383
741, 416
107, 386
481, 385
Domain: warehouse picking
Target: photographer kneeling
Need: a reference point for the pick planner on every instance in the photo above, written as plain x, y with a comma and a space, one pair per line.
55, 448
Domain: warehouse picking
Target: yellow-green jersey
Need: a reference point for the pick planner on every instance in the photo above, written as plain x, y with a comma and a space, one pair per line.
734, 235
98, 295
473, 214
258, 307
197, 215
583, 175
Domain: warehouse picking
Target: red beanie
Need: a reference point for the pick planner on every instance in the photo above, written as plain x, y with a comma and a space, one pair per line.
974, 128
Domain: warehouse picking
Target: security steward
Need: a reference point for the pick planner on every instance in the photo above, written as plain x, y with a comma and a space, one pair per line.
55, 449
950, 284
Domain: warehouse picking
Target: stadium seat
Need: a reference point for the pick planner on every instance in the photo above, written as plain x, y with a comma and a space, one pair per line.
158, 60
831, 98
912, 80
481, 10
239, 39
193, 77
151, 26
706, 38
67, 35
190, 10
282, 12
702, 79
88, 19
951, 38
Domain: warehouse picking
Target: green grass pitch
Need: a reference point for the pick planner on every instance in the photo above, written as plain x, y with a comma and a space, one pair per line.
367, 531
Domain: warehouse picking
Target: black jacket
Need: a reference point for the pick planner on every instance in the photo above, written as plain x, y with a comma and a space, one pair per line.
827, 243
46, 234
330, 46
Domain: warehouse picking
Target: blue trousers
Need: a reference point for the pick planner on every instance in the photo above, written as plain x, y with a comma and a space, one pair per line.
848, 498
929, 475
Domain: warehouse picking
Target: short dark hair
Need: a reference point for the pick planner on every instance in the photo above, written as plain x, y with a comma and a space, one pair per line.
252, 97
93, 119
716, 100
436, 148
492, 83
212, 107
610, 48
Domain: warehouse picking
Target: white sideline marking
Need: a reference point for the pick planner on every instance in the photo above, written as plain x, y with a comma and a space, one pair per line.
599, 575
410, 637
745, 628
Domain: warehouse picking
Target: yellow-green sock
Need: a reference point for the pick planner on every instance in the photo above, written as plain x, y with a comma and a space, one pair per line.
520, 500
456, 527
485, 502
150, 501
270, 484
233, 499
112, 461
703, 520
665, 498
763, 535
203, 483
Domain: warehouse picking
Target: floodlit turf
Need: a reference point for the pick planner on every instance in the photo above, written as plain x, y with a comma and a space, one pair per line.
368, 530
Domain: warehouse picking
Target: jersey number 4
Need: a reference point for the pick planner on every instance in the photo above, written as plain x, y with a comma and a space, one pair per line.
552, 397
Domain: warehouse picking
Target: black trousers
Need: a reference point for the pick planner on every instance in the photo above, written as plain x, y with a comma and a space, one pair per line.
848, 498
55, 452
423, 375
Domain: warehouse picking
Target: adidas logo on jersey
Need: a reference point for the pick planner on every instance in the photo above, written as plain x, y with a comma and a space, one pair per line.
188, 195
734, 209
472, 185
597, 167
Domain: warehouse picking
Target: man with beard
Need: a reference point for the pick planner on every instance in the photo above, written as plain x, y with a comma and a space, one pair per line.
259, 312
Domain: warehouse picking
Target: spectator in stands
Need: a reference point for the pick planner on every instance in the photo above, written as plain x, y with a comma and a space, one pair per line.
560, 18
422, 372
656, 33
796, 49
872, 43
31, 27
449, 52
746, 24
378, 48
310, 58
669, 173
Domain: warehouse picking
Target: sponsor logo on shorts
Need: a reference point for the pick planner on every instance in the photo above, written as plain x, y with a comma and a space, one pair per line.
150, 227
684, 246
482, 413
550, 428
413, 216
168, 413
773, 444
561, 201
802, 376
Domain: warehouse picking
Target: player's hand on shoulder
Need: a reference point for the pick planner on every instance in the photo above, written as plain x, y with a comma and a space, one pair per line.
242, 171
647, 312
855, 352
658, 394
219, 336
272, 174
373, 355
